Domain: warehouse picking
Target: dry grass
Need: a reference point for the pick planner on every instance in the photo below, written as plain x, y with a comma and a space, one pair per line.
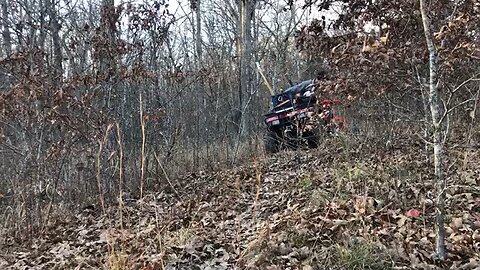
117, 257
361, 255
179, 238
210, 156
117, 260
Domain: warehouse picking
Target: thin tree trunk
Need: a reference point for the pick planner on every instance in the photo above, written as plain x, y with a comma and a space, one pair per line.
248, 69
120, 173
197, 65
57, 49
241, 59
107, 57
437, 137
108, 23
43, 33
198, 40
31, 38
426, 131
244, 48
142, 160
7, 39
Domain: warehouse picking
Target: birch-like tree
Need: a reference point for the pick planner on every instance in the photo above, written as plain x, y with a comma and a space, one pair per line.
438, 134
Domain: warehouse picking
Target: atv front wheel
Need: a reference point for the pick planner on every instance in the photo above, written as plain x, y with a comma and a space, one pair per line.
272, 143
312, 138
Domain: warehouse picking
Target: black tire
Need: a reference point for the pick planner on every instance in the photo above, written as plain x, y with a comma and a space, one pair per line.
292, 144
272, 144
313, 138
290, 138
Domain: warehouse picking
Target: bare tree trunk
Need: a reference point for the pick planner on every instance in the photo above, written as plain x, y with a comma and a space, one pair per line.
107, 59
108, 25
142, 158
198, 39
43, 33
246, 10
195, 5
241, 59
7, 40
57, 49
437, 137
249, 53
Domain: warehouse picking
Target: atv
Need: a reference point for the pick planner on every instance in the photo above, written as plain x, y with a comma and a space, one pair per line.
292, 122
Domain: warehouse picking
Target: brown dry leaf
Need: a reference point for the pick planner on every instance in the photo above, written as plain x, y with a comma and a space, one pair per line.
307, 267
476, 221
337, 223
360, 204
402, 220
457, 223
476, 236
286, 227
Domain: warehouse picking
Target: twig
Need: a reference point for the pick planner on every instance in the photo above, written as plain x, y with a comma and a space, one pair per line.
447, 111
98, 165
166, 175
120, 174
99, 177
142, 160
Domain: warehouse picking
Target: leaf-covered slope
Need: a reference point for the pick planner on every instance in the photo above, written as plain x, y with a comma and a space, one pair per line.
339, 207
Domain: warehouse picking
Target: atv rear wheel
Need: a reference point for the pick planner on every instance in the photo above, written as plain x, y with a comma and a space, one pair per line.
272, 142
312, 138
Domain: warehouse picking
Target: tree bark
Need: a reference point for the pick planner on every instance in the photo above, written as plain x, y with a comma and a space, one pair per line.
437, 136
7, 39
240, 58
57, 48
43, 5
108, 27
198, 40
244, 49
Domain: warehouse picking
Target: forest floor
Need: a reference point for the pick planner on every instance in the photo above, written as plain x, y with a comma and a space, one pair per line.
343, 206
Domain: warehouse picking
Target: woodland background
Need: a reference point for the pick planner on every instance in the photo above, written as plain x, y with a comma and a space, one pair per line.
102, 100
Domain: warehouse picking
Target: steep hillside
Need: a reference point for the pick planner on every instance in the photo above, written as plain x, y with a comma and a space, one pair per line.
347, 205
